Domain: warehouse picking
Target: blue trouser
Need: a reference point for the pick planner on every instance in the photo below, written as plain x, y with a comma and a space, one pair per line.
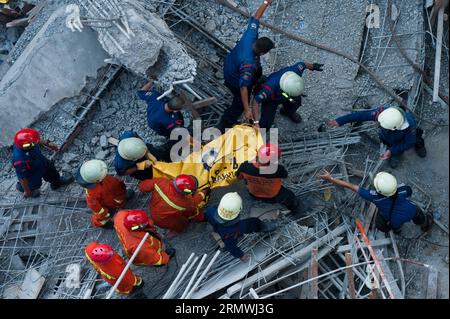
269, 109
51, 175
231, 114
383, 225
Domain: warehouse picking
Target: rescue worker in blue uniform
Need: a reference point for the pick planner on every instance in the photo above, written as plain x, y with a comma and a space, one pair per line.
398, 130
242, 68
130, 156
32, 166
391, 199
283, 87
226, 222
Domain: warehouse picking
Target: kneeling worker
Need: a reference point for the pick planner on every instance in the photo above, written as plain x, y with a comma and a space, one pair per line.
104, 193
226, 222
131, 226
110, 265
394, 209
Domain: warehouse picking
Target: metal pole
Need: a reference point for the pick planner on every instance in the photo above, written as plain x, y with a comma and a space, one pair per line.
191, 281
127, 266
166, 295
203, 274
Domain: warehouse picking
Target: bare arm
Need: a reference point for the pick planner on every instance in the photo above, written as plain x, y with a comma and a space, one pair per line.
147, 86
244, 97
326, 176
262, 8
131, 170
26, 187
49, 145
255, 110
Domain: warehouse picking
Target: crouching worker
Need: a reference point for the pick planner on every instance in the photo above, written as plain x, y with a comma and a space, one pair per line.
226, 222
263, 178
175, 202
110, 265
32, 166
394, 209
131, 226
104, 193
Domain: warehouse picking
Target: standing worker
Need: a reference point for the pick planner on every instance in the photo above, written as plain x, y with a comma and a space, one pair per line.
226, 222
175, 202
131, 226
394, 209
32, 166
284, 87
104, 193
264, 185
242, 68
398, 130
110, 265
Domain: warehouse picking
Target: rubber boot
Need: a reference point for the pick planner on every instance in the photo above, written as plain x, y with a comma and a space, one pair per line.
428, 222
268, 226
294, 117
130, 194
63, 180
109, 225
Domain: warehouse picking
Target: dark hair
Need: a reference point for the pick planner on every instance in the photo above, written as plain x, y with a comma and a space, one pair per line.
264, 45
176, 103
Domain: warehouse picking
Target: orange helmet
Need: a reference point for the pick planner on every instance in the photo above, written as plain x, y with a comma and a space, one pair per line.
26, 138
101, 253
185, 184
268, 153
135, 219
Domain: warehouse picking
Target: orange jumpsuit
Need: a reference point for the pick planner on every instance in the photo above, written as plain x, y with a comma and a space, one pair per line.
151, 253
107, 194
170, 209
111, 270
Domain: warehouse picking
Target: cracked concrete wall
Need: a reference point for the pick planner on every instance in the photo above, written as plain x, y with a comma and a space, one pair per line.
54, 66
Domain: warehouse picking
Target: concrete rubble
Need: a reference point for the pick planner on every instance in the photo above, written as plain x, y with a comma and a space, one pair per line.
88, 96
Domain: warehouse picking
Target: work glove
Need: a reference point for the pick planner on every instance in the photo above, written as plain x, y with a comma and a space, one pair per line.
317, 67
143, 165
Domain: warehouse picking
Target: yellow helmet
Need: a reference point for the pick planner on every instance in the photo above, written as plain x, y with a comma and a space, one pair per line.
385, 184
132, 148
292, 84
392, 119
230, 206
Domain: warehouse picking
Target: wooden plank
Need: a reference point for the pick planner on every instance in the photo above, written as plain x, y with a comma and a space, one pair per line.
375, 243
113, 141
369, 216
351, 279
22, 22
203, 103
314, 292
437, 65
396, 292
432, 283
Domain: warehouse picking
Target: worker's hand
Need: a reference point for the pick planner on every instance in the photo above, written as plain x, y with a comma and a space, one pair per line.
248, 115
317, 67
333, 124
53, 147
325, 175
27, 194
143, 165
269, 1
386, 155
245, 258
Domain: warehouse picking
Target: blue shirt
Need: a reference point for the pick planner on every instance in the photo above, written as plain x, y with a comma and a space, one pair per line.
158, 119
271, 90
120, 164
31, 164
403, 210
398, 141
241, 63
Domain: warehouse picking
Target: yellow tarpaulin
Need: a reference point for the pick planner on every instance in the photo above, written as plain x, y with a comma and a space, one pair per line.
216, 164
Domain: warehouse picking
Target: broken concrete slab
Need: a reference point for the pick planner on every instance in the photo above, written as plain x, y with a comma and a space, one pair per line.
31, 285
35, 83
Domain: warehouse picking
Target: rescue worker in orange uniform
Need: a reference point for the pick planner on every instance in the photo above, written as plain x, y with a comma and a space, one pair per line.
175, 202
131, 226
110, 265
104, 193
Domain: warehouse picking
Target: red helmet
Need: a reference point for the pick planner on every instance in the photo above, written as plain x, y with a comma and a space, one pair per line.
26, 138
185, 184
134, 219
101, 253
268, 153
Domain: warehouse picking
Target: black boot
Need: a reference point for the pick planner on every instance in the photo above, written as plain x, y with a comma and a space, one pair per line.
63, 180
268, 226
130, 194
294, 117
109, 225
394, 161
170, 252
428, 222
420, 144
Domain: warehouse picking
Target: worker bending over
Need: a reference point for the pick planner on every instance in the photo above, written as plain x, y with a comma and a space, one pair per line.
284, 87
110, 265
131, 156
264, 185
174, 203
394, 209
226, 222
131, 226
32, 166
242, 68
398, 130
104, 193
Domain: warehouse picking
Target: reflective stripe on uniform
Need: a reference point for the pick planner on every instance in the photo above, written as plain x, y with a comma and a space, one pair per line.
118, 201
167, 200
99, 270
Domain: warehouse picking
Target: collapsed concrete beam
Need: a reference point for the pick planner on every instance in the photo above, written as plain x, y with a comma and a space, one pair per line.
53, 66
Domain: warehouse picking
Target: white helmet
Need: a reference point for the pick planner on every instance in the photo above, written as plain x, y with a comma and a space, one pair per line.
292, 84
230, 206
93, 171
132, 148
385, 184
392, 119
